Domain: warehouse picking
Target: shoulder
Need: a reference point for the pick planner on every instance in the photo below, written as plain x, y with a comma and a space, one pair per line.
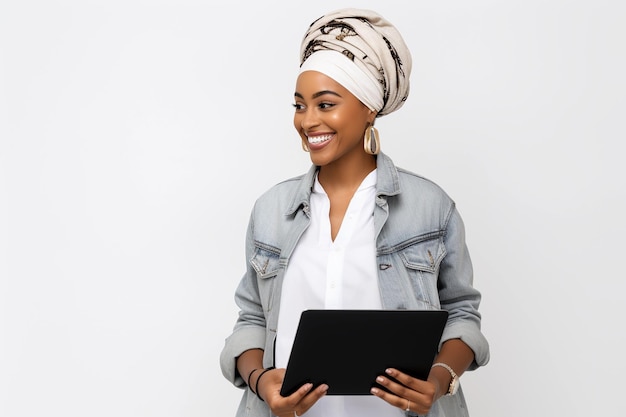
283, 198
282, 190
276, 210
420, 202
402, 184
418, 186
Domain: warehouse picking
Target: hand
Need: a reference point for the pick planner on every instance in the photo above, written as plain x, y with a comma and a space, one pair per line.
300, 401
408, 392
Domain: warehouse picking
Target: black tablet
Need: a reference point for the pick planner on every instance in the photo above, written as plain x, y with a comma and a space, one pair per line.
348, 349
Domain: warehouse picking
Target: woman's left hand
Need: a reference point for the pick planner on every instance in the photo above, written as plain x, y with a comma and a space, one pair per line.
406, 392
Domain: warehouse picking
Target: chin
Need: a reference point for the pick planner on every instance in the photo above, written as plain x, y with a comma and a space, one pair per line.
320, 160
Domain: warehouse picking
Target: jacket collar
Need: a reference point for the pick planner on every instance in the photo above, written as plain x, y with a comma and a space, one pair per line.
387, 184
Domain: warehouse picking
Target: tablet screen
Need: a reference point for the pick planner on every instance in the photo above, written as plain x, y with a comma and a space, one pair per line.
348, 349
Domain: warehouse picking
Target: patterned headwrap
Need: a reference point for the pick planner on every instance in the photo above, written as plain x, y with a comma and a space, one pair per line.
372, 45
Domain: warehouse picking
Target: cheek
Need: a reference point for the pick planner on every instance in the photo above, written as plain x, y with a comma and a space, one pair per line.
338, 121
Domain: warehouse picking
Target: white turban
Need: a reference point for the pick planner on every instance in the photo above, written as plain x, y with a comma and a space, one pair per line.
375, 63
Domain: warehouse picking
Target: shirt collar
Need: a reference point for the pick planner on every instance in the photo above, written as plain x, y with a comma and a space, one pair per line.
387, 183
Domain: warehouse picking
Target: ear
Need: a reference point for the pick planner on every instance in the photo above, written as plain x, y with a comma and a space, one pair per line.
371, 117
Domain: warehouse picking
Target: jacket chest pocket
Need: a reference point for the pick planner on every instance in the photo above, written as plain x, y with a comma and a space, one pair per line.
266, 263
422, 261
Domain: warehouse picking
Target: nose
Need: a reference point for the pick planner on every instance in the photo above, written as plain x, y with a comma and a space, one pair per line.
309, 119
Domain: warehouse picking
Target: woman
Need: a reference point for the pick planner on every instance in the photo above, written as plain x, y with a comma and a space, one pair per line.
354, 232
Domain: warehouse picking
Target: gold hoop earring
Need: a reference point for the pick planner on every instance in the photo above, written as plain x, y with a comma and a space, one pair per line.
371, 141
305, 146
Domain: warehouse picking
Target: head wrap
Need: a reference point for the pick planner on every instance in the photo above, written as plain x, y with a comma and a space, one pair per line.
361, 84
369, 43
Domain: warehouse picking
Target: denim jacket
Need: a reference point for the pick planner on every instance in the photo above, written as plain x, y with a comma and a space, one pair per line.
422, 259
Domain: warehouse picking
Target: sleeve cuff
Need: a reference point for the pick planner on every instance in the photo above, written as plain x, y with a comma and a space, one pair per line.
243, 339
472, 337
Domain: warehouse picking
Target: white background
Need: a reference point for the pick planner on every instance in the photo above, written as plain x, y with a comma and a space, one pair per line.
135, 136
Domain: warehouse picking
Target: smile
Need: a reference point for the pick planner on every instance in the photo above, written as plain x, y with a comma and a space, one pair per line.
314, 140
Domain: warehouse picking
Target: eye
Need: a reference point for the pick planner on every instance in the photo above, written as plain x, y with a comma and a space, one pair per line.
298, 107
326, 105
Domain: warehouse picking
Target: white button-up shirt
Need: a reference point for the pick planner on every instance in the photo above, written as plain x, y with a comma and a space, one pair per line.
339, 274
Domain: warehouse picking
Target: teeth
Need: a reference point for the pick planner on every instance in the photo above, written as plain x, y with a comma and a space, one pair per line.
319, 139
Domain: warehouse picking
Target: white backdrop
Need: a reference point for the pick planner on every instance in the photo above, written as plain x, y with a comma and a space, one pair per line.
135, 136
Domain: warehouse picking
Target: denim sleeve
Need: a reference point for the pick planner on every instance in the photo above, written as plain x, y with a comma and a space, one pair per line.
458, 295
249, 330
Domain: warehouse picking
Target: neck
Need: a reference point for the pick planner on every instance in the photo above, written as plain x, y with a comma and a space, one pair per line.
346, 174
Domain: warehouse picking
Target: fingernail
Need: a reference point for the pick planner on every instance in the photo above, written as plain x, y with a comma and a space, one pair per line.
388, 371
374, 391
379, 379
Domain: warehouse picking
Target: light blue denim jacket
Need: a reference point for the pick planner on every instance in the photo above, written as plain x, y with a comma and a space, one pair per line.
422, 258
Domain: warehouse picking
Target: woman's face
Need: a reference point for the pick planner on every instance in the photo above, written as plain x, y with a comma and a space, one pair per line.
330, 120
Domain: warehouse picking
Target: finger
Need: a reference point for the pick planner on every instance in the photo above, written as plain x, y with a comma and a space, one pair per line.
390, 398
277, 401
397, 394
393, 389
311, 398
401, 403
407, 380
425, 388
300, 401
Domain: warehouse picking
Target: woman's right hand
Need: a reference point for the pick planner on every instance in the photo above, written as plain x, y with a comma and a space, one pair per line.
300, 401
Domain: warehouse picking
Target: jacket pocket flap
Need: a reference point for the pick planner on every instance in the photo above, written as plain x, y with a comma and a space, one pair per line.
265, 263
424, 256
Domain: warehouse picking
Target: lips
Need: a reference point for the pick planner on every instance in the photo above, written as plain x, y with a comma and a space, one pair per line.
319, 139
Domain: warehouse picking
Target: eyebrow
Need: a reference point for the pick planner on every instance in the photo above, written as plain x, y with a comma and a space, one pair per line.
318, 94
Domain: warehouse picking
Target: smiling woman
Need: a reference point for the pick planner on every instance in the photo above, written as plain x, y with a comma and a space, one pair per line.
347, 234
331, 122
